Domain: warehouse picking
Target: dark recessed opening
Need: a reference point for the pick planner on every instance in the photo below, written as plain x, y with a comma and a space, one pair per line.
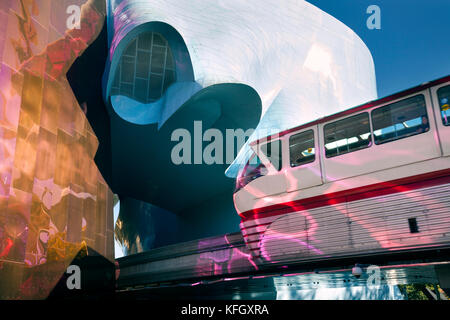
413, 227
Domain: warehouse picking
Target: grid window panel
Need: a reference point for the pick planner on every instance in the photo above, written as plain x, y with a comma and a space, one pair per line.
142, 70
140, 89
155, 86
158, 59
145, 41
146, 69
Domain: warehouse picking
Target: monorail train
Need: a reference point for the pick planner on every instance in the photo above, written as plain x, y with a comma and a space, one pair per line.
371, 179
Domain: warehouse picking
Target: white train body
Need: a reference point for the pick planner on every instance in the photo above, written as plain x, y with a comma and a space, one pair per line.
375, 178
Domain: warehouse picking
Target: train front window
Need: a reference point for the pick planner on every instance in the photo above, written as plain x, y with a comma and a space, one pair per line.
301, 148
347, 135
272, 150
444, 104
400, 120
252, 170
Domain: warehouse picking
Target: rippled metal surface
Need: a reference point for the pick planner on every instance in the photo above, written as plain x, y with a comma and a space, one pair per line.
302, 62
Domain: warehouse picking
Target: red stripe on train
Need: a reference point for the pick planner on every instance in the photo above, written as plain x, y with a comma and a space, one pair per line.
374, 190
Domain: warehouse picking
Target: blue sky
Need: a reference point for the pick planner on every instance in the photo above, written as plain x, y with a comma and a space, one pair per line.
413, 45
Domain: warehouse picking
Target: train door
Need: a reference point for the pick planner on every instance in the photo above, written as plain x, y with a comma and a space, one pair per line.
302, 162
441, 103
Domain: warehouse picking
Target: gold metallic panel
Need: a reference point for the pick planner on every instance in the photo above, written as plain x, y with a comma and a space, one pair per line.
53, 200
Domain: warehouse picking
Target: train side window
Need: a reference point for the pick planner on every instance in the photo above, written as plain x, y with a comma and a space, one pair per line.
347, 135
301, 148
400, 120
444, 103
272, 150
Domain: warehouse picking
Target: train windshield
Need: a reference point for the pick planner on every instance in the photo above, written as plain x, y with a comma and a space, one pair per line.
272, 150
252, 170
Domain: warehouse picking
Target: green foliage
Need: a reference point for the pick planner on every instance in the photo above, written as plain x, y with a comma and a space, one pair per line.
414, 292
417, 291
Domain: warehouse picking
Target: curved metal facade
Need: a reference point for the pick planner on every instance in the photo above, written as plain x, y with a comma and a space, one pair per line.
302, 62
